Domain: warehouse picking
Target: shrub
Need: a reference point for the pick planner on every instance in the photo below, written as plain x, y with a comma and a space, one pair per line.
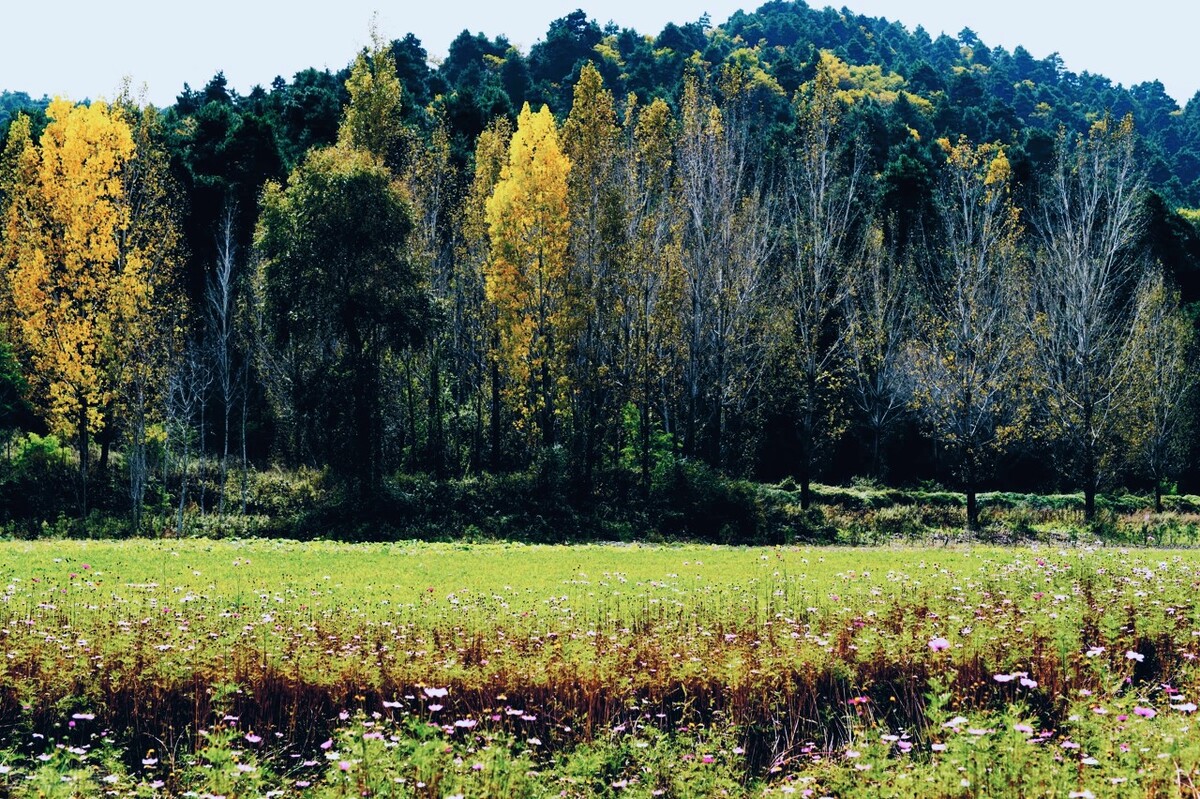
692, 500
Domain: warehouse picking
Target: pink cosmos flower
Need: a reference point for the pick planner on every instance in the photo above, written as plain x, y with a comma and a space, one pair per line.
939, 644
1145, 712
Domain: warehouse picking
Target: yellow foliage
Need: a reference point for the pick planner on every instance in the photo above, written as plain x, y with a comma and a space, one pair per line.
854, 83
373, 120
528, 225
62, 230
86, 271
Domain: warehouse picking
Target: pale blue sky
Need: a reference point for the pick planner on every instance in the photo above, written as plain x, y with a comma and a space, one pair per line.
83, 48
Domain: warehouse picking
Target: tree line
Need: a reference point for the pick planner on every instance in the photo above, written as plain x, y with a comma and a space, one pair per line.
633, 283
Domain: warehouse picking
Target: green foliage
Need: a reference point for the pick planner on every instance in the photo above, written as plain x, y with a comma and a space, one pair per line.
692, 500
335, 268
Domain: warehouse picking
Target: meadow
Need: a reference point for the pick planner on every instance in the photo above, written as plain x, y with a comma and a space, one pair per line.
254, 668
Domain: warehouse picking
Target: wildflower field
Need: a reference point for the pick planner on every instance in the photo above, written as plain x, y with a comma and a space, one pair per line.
268, 668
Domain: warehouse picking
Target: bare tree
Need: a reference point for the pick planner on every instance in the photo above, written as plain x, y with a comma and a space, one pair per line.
221, 306
1084, 275
821, 204
726, 244
1159, 408
879, 320
965, 361
188, 386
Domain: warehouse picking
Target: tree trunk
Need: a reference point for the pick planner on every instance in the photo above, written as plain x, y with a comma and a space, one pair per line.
496, 405
1158, 506
200, 445
436, 446
245, 461
547, 407
84, 451
805, 483
972, 508
183, 486
644, 435
224, 450
1089, 487
876, 464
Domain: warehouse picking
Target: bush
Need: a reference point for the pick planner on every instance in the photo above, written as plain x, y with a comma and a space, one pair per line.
38, 481
691, 500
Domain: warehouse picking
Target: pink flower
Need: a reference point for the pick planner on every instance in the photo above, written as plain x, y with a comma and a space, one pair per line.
436, 693
344, 765
939, 644
1186, 707
1024, 728
1145, 712
254, 739
1138, 656
327, 744
1028, 683
706, 759
1003, 677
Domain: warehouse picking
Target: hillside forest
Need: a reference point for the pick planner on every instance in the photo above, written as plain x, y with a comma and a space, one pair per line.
802, 245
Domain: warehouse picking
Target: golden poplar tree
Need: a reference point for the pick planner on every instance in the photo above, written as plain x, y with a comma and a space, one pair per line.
91, 251
373, 119
527, 279
66, 215
597, 249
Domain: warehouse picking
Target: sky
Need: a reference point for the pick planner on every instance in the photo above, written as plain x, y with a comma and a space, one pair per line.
84, 48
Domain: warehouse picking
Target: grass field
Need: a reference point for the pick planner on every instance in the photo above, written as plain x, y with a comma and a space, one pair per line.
208, 668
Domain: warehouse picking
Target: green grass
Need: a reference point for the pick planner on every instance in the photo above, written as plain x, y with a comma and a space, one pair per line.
689, 670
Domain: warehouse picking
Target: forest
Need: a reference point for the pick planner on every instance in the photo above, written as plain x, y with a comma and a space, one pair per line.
617, 275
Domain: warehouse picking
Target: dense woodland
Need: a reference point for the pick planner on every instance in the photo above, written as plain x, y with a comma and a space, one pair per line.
802, 244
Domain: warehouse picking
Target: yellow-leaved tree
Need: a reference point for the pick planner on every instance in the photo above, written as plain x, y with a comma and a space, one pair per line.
528, 273
82, 270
